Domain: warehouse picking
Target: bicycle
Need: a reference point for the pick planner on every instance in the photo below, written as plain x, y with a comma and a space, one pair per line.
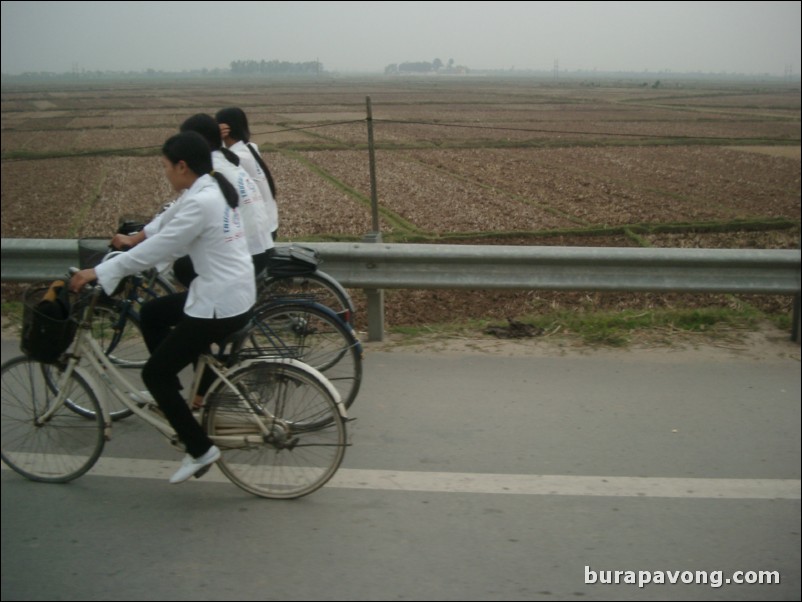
318, 335
278, 422
291, 326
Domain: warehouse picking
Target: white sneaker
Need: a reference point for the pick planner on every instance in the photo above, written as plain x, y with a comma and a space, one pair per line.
142, 397
190, 465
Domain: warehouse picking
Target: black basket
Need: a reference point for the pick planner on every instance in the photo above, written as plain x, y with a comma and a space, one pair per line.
91, 251
48, 328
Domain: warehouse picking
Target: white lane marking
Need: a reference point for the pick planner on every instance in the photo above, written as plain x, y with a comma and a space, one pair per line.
516, 484
569, 485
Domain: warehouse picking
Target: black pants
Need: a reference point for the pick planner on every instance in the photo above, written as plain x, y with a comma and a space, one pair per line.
176, 340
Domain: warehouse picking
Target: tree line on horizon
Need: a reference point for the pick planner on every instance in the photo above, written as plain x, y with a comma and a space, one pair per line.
435, 66
275, 67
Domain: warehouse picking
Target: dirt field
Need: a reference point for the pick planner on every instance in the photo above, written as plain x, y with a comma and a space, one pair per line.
473, 160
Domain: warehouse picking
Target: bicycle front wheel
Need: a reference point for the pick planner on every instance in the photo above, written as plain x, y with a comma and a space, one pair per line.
120, 336
63, 447
278, 429
116, 321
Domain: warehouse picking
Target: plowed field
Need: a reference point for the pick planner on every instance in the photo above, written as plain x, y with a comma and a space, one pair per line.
474, 161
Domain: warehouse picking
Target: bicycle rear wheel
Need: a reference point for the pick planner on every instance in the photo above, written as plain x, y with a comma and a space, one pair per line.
319, 286
269, 432
67, 444
312, 334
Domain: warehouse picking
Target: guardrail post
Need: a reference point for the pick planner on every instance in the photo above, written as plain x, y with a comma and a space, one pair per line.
375, 296
796, 331
375, 300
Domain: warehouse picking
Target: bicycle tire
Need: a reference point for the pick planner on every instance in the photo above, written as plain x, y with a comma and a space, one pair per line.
117, 410
63, 448
120, 334
314, 335
293, 458
318, 285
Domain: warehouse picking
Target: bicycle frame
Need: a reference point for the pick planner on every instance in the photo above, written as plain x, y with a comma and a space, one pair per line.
86, 348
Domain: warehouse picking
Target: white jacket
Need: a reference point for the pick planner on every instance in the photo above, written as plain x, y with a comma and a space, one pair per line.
201, 224
251, 165
252, 207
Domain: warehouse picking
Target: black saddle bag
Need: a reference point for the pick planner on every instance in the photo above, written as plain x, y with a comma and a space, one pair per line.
292, 261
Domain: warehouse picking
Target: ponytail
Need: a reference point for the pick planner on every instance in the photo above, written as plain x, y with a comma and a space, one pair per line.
229, 192
230, 155
238, 128
263, 165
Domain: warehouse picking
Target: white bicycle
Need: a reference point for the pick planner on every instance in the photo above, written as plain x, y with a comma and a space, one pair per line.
279, 423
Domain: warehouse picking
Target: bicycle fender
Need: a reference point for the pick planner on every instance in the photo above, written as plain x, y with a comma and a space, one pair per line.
309, 370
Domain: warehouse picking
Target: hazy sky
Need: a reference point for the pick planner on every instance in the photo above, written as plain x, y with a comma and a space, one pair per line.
734, 37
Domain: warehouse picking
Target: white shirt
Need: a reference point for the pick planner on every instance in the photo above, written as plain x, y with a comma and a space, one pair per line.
251, 206
249, 163
201, 224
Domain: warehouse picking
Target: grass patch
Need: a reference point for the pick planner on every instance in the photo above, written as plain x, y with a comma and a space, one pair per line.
12, 313
610, 328
617, 329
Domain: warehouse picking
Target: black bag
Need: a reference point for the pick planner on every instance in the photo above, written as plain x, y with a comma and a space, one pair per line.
292, 261
47, 327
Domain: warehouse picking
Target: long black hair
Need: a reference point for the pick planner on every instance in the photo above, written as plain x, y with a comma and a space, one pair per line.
192, 148
237, 122
207, 127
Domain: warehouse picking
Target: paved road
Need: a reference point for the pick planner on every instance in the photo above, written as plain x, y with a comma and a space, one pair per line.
471, 477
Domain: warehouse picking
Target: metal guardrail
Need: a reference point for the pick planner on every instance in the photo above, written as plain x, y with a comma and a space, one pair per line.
365, 265
424, 266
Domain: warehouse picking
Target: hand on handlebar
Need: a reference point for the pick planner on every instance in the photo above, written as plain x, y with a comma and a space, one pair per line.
81, 278
124, 242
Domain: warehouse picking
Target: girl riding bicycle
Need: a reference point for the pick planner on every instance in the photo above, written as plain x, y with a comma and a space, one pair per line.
203, 223
236, 136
